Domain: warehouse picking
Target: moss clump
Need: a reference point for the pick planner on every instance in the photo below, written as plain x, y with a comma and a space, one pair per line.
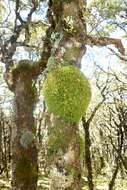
67, 93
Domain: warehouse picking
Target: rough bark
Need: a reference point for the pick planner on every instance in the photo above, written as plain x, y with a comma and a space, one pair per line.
24, 151
64, 156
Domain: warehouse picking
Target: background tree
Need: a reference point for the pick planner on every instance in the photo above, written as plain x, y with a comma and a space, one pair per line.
110, 134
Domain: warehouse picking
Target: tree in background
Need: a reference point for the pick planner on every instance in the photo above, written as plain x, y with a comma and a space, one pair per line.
115, 123
108, 144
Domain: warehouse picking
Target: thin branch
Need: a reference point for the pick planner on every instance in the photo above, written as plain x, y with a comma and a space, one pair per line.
122, 57
95, 110
9, 48
6, 19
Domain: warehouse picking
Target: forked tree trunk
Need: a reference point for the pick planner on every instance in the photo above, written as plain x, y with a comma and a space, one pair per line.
24, 151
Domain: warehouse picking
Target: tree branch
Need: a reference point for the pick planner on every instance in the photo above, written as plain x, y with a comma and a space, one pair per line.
104, 41
9, 47
121, 57
103, 94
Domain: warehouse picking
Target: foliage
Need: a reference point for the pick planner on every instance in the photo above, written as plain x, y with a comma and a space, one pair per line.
105, 17
108, 9
67, 93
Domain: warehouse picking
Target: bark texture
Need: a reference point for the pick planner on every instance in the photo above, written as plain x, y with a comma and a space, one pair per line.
24, 151
63, 156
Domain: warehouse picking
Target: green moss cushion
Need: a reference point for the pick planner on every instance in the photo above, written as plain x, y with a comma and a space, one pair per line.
67, 93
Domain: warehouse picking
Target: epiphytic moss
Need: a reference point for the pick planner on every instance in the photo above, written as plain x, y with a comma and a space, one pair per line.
67, 93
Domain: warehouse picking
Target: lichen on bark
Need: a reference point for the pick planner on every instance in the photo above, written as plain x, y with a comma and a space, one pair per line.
27, 138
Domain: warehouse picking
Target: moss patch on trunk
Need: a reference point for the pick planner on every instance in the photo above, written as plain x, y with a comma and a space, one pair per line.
67, 93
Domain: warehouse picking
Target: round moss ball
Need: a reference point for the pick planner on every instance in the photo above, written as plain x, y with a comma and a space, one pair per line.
67, 93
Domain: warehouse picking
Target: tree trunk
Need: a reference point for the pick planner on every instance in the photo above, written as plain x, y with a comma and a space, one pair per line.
64, 156
24, 151
68, 47
88, 155
112, 182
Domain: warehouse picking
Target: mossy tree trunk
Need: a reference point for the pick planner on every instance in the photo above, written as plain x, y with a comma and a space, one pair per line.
63, 156
20, 81
70, 31
24, 151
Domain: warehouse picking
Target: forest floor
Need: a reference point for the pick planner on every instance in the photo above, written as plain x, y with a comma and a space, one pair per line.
101, 184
